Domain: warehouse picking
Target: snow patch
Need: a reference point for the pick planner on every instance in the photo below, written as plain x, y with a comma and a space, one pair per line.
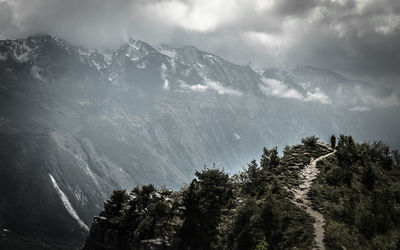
98, 66
163, 73
259, 71
168, 52
21, 54
212, 58
107, 55
141, 65
67, 204
84, 52
166, 84
136, 45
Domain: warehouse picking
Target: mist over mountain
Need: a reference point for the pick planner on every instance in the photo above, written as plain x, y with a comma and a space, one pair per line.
77, 123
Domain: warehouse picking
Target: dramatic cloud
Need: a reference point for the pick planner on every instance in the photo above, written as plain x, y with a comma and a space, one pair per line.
356, 37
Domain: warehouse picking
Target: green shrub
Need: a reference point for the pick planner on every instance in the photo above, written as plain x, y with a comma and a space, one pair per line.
262, 245
310, 141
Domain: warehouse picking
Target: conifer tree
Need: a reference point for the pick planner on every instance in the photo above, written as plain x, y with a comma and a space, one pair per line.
204, 199
270, 158
113, 206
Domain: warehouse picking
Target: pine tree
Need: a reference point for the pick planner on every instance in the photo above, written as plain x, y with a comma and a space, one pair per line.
113, 207
269, 158
265, 159
204, 200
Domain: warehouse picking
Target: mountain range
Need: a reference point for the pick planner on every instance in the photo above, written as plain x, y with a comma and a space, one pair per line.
77, 123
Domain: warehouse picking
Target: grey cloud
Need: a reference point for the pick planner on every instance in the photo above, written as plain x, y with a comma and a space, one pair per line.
355, 37
295, 8
6, 17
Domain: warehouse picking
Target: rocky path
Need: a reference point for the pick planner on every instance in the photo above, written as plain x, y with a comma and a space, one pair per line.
307, 176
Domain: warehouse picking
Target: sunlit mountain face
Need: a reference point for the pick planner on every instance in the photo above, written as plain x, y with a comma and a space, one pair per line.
76, 123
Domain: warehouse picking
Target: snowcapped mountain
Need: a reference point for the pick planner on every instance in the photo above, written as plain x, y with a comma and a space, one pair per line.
77, 123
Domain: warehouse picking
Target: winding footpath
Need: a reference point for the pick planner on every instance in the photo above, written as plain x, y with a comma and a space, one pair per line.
307, 176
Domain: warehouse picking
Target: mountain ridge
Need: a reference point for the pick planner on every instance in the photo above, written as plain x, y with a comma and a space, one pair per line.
187, 59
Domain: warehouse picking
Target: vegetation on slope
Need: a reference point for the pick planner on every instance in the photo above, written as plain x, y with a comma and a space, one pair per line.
252, 209
358, 192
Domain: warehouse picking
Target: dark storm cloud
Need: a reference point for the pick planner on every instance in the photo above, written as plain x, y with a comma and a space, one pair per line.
299, 7
357, 37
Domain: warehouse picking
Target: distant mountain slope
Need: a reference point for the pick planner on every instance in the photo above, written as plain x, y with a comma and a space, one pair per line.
92, 121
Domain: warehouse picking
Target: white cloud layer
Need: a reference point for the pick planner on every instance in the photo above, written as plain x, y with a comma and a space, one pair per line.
277, 88
211, 86
280, 89
317, 95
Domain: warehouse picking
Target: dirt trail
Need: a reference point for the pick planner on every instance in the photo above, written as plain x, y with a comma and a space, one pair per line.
307, 175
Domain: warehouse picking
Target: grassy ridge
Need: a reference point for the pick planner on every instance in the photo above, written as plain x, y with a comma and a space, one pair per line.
357, 191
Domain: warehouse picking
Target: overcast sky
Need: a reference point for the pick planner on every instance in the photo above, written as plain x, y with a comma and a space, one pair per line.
358, 38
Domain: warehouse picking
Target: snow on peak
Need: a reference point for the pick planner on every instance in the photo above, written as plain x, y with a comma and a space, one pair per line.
259, 71
134, 44
168, 51
23, 50
212, 58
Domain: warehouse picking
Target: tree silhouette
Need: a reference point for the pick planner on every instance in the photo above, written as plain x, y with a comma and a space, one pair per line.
113, 206
270, 158
333, 141
206, 196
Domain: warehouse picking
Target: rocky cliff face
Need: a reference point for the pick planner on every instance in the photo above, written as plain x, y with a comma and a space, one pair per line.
77, 123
